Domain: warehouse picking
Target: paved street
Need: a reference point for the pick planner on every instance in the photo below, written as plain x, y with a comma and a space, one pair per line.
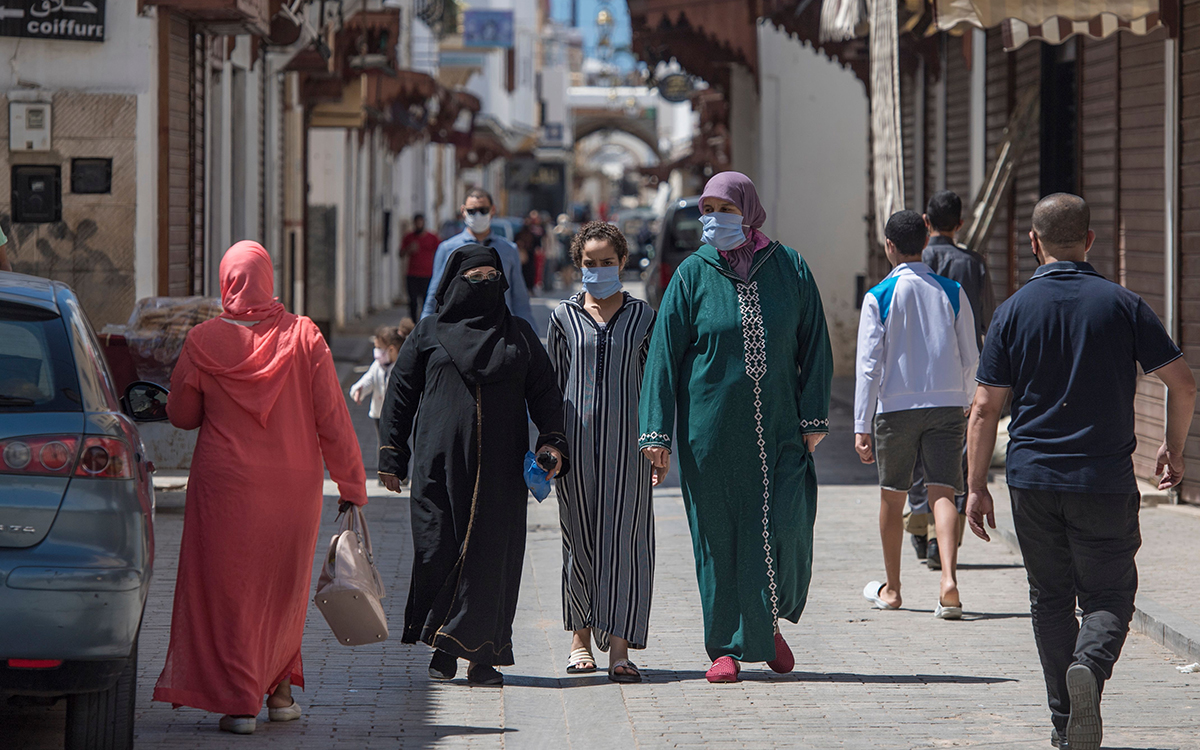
864, 679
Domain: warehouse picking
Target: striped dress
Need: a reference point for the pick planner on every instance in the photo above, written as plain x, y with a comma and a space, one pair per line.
605, 506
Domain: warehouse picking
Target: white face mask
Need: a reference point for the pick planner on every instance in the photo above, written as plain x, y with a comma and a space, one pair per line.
479, 223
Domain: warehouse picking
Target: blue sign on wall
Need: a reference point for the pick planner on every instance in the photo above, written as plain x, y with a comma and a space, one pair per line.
488, 28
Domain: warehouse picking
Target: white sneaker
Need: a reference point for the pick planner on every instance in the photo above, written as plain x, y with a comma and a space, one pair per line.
238, 724
287, 713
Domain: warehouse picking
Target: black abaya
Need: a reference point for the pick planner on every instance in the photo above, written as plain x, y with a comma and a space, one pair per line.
468, 494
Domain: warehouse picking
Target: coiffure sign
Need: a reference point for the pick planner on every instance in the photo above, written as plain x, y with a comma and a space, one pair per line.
73, 20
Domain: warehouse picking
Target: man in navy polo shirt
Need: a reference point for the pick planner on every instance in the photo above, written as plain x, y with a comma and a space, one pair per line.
1067, 346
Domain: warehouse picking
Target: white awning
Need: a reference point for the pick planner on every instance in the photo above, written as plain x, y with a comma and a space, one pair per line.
988, 13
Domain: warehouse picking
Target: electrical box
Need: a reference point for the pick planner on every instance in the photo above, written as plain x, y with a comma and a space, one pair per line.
36, 193
91, 175
29, 126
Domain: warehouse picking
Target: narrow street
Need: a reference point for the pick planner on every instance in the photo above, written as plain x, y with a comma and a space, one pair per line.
864, 678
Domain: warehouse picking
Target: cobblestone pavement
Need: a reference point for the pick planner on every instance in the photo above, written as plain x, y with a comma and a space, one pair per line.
864, 679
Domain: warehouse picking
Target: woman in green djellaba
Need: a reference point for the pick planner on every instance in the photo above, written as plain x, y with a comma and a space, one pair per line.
741, 352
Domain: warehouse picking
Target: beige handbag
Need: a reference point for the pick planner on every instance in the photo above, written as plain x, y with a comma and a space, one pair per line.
349, 588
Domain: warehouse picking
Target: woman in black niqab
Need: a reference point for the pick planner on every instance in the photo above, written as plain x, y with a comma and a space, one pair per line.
475, 371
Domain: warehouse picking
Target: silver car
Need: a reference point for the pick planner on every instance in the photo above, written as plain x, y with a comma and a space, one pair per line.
76, 515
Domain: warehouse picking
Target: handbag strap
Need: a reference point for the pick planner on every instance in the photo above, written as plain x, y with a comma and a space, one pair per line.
357, 522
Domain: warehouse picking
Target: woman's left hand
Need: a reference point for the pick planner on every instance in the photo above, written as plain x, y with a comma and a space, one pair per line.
558, 460
812, 441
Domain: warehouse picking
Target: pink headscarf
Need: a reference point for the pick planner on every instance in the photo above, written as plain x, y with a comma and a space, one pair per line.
251, 364
248, 283
739, 190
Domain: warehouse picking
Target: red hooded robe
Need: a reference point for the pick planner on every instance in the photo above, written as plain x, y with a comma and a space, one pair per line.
269, 407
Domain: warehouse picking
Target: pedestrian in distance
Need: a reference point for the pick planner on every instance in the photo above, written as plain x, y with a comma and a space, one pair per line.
477, 212
914, 373
598, 341
472, 370
386, 345
260, 384
419, 246
741, 353
1067, 347
943, 217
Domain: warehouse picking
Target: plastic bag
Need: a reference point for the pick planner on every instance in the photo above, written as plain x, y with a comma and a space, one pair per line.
536, 478
157, 328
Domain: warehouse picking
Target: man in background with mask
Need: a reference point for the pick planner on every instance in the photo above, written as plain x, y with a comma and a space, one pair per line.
477, 213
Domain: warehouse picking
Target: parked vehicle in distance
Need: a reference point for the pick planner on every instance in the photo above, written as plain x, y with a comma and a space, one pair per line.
678, 238
76, 515
638, 225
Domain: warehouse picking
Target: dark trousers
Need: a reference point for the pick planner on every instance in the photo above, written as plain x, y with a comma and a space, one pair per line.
418, 287
1078, 546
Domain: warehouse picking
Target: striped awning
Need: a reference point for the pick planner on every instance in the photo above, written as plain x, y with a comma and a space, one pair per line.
1048, 20
1059, 29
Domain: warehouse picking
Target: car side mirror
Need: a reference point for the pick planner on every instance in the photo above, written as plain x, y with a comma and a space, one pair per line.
146, 402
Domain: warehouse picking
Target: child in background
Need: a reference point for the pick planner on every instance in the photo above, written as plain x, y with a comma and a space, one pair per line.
914, 381
387, 341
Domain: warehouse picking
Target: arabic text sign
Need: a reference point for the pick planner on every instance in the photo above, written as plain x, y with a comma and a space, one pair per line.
74, 20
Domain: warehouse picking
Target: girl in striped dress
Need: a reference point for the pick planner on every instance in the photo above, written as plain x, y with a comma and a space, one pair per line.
598, 341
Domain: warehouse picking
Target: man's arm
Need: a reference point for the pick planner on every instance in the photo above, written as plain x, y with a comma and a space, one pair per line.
1181, 404
981, 443
868, 370
966, 333
439, 268
518, 294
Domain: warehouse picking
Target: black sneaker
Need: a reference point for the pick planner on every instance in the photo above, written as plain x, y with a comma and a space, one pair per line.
1055, 738
484, 675
918, 543
932, 559
443, 666
1084, 729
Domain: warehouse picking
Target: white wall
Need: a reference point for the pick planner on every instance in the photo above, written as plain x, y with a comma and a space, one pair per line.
813, 172
743, 121
126, 62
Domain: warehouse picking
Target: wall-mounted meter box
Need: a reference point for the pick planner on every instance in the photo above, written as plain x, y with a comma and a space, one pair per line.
29, 126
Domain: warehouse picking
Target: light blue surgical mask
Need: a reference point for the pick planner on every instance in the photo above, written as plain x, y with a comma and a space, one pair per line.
723, 231
602, 282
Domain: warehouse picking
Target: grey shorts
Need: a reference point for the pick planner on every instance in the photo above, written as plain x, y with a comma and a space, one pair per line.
935, 435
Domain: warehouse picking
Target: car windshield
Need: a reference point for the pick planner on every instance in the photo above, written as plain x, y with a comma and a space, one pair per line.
686, 229
36, 369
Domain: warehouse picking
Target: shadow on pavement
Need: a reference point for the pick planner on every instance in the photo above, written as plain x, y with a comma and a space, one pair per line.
451, 730
750, 675
970, 616
555, 682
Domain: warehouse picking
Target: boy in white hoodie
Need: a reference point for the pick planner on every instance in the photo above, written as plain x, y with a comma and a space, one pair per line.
914, 379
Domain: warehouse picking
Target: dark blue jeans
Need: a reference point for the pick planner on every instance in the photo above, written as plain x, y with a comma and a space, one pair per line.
1078, 547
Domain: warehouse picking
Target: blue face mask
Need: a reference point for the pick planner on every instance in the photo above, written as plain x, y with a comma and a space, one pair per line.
723, 231
602, 282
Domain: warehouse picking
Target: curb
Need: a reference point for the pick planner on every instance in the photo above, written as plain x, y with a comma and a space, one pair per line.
1151, 619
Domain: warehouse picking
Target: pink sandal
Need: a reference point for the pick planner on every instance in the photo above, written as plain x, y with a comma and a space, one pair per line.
783, 662
724, 669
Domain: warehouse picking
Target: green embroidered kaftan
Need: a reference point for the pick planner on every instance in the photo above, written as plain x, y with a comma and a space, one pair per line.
748, 366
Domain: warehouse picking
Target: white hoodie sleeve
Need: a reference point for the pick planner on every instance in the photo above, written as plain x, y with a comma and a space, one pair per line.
366, 382
968, 347
868, 365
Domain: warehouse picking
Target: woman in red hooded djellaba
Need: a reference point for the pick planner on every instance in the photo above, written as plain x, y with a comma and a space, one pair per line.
260, 384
